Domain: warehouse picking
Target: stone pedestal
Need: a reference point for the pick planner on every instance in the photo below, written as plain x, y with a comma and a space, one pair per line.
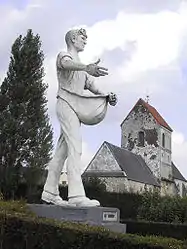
100, 216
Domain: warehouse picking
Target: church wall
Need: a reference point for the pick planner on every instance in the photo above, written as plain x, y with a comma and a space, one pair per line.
122, 184
165, 147
168, 188
181, 187
141, 120
103, 161
138, 187
115, 184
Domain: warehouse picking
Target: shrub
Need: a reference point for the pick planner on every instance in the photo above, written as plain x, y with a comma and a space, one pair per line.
1, 196
171, 230
153, 207
21, 229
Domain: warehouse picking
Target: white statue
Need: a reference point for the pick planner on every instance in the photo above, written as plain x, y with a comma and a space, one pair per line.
73, 108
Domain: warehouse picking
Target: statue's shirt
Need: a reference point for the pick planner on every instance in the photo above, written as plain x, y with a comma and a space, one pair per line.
72, 81
71, 84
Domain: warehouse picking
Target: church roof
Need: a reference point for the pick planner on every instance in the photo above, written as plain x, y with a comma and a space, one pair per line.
160, 120
177, 174
133, 165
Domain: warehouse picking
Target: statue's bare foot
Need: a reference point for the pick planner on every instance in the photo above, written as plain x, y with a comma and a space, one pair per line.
50, 198
83, 202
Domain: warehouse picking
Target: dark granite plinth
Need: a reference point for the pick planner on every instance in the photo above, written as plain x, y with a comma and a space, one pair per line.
101, 216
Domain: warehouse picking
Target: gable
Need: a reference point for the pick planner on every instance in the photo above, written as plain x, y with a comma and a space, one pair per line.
158, 118
177, 174
103, 161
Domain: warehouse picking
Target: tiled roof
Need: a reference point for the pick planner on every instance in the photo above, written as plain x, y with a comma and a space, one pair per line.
133, 165
177, 174
154, 113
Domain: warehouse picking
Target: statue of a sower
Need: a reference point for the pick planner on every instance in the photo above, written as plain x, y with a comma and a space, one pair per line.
74, 107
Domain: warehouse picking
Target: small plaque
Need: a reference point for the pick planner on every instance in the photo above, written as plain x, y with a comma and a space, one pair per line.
110, 216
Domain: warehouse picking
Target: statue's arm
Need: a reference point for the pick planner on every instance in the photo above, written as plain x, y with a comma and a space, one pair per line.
65, 61
90, 85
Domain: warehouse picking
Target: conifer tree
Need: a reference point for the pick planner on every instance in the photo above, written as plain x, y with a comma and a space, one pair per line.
25, 131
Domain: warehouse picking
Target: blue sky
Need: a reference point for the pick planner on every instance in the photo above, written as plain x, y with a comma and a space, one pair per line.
143, 45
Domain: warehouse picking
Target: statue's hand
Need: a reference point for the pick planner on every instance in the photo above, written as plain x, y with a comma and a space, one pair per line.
95, 70
112, 99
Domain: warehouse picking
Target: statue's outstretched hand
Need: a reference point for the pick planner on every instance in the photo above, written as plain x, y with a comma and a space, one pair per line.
95, 70
112, 99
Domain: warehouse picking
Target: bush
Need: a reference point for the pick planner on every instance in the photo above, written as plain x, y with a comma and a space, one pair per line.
127, 203
153, 207
1, 196
178, 231
94, 184
21, 229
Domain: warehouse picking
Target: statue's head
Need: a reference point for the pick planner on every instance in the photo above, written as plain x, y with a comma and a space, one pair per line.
76, 38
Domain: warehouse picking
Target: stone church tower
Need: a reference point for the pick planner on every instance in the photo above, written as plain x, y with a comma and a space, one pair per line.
146, 133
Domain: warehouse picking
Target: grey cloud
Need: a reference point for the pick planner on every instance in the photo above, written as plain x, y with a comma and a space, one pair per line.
165, 87
118, 56
103, 9
150, 6
182, 59
17, 4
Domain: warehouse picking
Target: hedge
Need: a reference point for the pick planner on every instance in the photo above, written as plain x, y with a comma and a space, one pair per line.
178, 231
21, 229
154, 207
127, 203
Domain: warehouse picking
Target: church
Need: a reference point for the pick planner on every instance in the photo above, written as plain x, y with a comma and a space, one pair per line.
144, 160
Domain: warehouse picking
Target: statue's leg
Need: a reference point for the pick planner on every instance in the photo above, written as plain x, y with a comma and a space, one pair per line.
55, 166
70, 126
51, 188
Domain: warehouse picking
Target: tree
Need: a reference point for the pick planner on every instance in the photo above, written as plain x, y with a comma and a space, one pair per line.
25, 132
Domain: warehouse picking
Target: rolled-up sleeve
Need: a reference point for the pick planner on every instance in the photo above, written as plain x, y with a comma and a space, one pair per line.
61, 58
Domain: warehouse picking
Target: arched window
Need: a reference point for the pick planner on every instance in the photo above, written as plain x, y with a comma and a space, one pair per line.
163, 140
141, 138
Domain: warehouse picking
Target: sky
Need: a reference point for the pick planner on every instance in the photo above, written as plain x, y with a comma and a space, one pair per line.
142, 43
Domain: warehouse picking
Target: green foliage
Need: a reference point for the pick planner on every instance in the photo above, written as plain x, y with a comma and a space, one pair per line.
94, 184
15, 207
25, 132
170, 230
127, 203
27, 231
153, 207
